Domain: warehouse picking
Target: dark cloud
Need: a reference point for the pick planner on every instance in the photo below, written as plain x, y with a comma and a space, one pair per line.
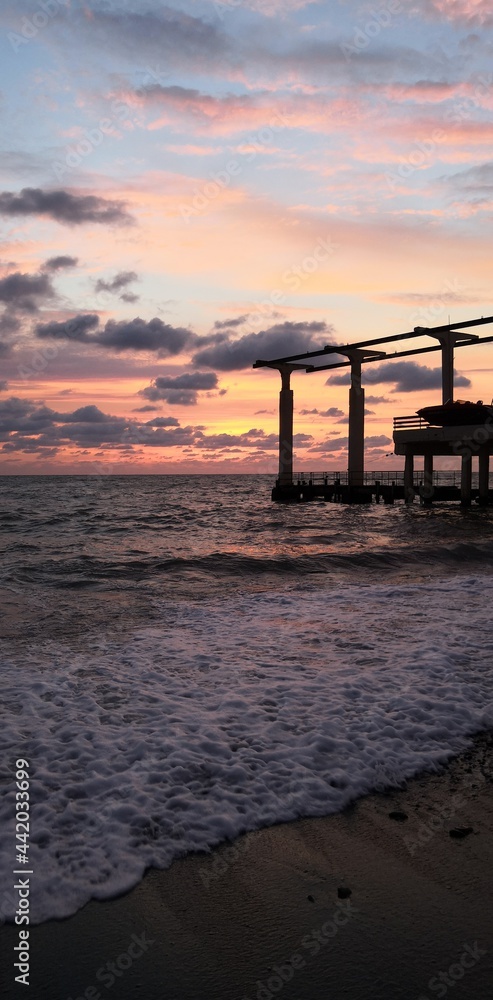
3, 385
85, 414
474, 184
9, 323
25, 291
254, 438
374, 400
376, 441
333, 411
230, 324
162, 421
341, 443
126, 335
119, 282
141, 335
31, 427
180, 390
59, 263
76, 328
280, 340
408, 376
64, 207
331, 444
149, 408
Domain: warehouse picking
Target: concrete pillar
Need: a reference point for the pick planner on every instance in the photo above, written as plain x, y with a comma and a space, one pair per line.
466, 480
409, 477
484, 474
286, 407
356, 446
447, 343
427, 489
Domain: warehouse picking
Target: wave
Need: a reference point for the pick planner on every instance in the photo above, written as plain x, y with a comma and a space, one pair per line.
85, 568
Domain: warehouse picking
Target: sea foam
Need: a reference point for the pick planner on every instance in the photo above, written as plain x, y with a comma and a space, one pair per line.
230, 715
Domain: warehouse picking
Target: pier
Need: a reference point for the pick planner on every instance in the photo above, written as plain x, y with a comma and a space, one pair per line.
413, 437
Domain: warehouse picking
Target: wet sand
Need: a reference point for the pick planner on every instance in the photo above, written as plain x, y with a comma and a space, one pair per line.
391, 899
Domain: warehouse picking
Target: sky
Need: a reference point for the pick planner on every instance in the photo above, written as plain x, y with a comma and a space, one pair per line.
188, 187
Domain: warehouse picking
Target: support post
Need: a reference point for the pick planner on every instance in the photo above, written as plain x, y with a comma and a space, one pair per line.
286, 407
427, 490
447, 343
356, 444
466, 480
409, 477
484, 474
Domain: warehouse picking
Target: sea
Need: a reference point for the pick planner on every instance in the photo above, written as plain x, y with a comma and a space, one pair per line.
183, 660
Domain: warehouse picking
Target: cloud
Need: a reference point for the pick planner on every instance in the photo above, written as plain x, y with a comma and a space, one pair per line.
125, 335
331, 444
253, 438
3, 385
28, 426
59, 263
25, 291
341, 443
280, 340
76, 328
9, 323
475, 183
377, 441
141, 335
333, 411
180, 390
117, 284
374, 400
162, 421
64, 207
470, 12
230, 324
33, 428
408, 376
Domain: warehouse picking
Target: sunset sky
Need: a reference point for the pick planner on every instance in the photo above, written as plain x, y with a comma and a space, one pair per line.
186, 188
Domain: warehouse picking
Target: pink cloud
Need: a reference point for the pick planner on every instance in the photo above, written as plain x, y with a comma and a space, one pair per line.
470, 11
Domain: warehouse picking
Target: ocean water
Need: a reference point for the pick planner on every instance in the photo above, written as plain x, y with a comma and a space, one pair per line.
184, 661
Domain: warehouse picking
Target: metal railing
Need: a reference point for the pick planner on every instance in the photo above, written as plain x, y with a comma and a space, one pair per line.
386, 478
411, 423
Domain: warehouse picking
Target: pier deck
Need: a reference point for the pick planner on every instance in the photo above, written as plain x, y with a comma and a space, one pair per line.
376, 487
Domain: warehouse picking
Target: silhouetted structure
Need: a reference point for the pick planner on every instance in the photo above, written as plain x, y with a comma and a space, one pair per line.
410, 438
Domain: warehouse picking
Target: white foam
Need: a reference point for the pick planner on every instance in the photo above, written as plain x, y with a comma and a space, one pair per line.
233, 715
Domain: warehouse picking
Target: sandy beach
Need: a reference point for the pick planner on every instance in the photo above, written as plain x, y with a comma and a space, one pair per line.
390, 899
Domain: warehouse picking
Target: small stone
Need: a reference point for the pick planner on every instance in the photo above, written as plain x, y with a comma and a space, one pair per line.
311, 899
344, 893
459, 832
398, 815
